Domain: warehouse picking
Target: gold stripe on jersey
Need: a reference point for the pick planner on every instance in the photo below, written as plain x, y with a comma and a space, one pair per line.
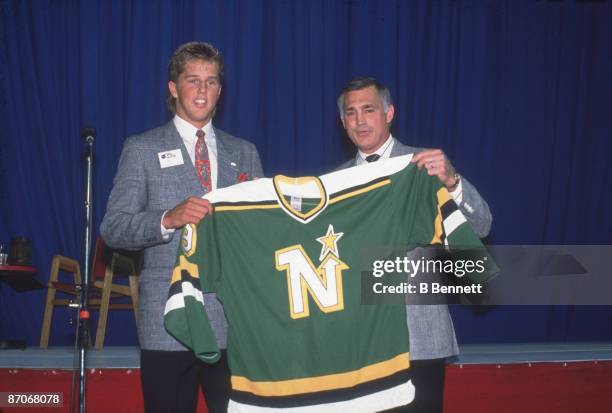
323, 383
184, 264
343, 196
229, 206
246, 206
443, 197
438, 230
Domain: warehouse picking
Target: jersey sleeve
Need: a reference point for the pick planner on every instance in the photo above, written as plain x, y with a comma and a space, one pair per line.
440, 221
197, 270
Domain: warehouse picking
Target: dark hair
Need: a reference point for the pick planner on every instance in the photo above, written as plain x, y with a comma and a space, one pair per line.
190, 51
359, 83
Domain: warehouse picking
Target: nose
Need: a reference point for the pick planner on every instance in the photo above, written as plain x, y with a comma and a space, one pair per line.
360, 117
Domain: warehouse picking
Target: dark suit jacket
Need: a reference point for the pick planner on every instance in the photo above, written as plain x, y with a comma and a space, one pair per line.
142, 191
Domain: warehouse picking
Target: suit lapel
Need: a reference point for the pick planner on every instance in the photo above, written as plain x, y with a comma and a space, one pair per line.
185, 173
400, 149
227, 162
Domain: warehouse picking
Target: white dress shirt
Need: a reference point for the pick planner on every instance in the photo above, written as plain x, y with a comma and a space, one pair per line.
384, 151
188, 134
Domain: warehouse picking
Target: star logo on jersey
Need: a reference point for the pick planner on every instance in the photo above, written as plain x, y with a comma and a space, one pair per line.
330, 242
323, 283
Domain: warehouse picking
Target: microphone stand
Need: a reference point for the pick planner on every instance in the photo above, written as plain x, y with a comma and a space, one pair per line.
89, 135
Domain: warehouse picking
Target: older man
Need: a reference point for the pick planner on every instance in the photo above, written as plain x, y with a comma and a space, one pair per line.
366, 111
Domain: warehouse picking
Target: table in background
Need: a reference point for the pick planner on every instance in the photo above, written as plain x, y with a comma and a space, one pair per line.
20, 278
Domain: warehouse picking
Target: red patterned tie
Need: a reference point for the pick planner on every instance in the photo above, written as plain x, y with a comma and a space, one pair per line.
202, 163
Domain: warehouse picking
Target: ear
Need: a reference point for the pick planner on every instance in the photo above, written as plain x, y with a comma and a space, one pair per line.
172, 89
342, 120
390, 113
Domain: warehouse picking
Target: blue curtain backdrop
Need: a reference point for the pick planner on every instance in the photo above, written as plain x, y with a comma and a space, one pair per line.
516, 92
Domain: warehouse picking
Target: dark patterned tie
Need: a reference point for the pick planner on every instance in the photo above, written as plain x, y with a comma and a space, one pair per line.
373, 158
202, 163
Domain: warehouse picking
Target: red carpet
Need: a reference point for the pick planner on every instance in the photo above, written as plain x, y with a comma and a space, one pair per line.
581, 387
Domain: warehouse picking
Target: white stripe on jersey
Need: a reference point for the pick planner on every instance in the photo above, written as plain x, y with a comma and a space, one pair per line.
261, 190
177, 301
453, 221
399, 395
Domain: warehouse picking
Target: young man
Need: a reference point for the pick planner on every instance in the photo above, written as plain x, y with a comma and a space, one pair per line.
161, 176
366, 111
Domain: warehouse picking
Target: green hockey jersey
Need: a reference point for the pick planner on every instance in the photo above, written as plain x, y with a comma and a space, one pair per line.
283, 255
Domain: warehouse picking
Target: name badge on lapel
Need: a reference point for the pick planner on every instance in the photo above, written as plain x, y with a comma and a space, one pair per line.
170, 158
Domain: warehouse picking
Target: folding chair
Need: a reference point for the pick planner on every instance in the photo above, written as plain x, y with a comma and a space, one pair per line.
108, 266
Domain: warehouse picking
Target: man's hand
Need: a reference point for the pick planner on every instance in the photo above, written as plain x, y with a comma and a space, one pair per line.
190, 211
436, 163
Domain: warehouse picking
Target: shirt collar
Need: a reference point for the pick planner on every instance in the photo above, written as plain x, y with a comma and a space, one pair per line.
188, 132
384, 151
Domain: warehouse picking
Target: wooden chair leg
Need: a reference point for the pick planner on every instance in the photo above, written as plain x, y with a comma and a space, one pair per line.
46, 324
104, 304
58, 263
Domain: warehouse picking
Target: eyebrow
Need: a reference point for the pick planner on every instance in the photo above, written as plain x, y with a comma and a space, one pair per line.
205, 79
194, 75
364, 106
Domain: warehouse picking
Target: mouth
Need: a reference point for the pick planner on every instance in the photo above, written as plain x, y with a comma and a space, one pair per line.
363, 132
200, 102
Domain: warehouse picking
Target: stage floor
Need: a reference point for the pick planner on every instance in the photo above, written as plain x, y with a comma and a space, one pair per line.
128, 357
507, 378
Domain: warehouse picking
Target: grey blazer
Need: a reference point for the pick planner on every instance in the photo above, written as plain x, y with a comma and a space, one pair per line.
430, 327
142, 191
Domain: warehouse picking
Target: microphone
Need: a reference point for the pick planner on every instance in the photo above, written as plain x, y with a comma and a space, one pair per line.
88, 133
